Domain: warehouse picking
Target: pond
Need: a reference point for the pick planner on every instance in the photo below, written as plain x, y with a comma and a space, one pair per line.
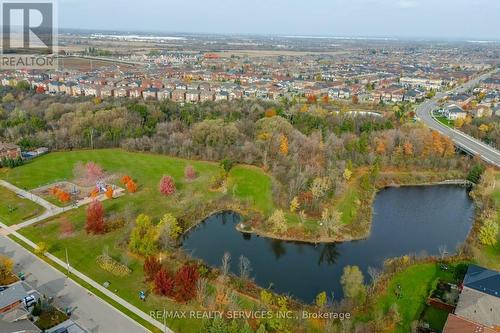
406, 220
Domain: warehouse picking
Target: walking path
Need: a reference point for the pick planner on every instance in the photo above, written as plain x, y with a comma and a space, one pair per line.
50, 209
98, 319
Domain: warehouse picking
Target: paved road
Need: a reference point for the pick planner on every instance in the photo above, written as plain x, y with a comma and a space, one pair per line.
464, 141
90, 311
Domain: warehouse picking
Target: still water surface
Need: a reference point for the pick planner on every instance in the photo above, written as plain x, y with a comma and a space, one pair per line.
406, 220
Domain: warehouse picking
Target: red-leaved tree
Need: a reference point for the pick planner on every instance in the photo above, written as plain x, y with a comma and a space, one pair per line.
185, 282
95, 218
94, 172
189, 172
164, 283
151, 267
167, 185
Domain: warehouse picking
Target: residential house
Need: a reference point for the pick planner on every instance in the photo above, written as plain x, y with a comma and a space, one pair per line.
122, 92
150, 93
107, 91
192, 95
414, 95
179, 95
454, 112
206, 95
478, 307
165, 93
9, 151
12, 297
221, 96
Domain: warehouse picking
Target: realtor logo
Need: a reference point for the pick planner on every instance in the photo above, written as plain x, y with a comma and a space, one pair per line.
28, 34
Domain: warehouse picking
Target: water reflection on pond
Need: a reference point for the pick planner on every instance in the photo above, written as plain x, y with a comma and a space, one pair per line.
405, 220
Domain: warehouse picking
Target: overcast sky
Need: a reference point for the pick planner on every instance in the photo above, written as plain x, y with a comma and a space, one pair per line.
450, 19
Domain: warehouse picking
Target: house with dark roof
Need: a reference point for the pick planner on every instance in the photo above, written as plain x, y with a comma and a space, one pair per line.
478, 307
483, 280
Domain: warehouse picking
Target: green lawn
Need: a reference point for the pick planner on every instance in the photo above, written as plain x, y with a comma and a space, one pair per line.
147, 169
246, 183
14, 209
416, 283
445, 121
435, 317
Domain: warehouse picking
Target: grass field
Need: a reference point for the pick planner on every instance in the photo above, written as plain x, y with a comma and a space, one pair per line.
248, 183
14, 209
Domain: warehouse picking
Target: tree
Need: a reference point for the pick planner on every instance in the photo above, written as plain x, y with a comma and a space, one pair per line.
347, 174
109, 192
6, 265
331, 220
352, 283
151, 267
284, 145
277, 221
164, 283
167, 186
488, 234
144, 236
185, 282
321, 299
125, 179
95, 218
171, 226
245, 267
41, 248
294, 205
190, 173
227, 164
131, 186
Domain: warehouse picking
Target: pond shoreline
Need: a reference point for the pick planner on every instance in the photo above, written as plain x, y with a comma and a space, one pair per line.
339, 238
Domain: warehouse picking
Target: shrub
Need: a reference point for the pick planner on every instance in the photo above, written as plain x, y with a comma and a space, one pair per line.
488, 232
112, 266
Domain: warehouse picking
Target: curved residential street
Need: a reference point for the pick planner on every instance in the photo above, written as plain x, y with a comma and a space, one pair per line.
89, 311
464, 141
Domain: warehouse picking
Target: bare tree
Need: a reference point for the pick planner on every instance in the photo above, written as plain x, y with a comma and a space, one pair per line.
201, 290
226, 262
245, 267
375, 274
442, 251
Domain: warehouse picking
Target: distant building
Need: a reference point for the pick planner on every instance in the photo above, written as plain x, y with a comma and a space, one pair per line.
9, 151
192, 95
179, 95
454, 112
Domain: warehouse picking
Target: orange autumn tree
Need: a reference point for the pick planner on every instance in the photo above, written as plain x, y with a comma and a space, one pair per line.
284, 145
109, 192
131, 186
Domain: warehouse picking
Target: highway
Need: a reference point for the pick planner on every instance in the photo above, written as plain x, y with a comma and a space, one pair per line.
461, 140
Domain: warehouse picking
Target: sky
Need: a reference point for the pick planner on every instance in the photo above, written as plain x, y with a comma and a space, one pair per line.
437, 19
